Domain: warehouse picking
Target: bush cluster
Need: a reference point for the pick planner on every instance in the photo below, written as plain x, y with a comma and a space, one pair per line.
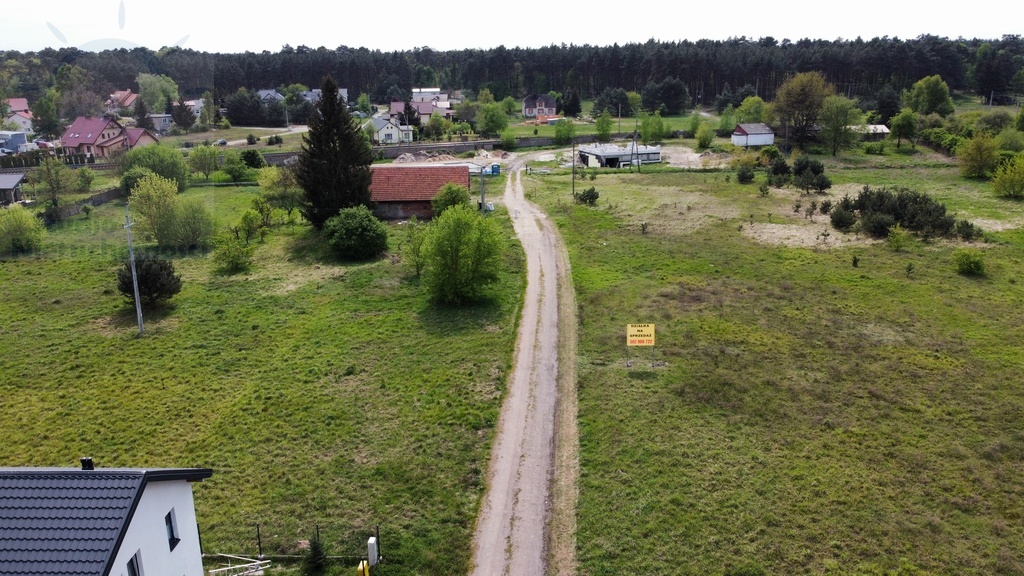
20, 231
588, 196
156, 278
882, 208
355, 234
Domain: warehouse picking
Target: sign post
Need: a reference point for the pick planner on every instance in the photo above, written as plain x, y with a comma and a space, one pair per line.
639, 335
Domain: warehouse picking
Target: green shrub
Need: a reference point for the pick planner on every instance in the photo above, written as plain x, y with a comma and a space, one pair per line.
156, 278
705, 136
877, 224
967, 230
842, 219
897, 238
233, 256
745, 175
588, 196
508, 140
253, 158
20, 231
463, 255
131, 178
826, 206
779, 167
85, 178
969, 262
449, 195
250, 139
194, 226
356, 234
165, 161
767, 155
221, 177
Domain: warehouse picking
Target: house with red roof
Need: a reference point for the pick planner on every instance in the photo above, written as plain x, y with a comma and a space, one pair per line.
102, 136
121, 100
22, 119
399, 192
17, 105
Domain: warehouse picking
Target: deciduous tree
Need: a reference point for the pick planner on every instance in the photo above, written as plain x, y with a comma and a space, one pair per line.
603, 125
334, 162
463, 255
978, 156
1009, 178
798, 103
929, 94
203, 159
903, 125
839, 114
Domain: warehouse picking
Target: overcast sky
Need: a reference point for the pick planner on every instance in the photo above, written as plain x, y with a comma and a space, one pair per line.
254, 25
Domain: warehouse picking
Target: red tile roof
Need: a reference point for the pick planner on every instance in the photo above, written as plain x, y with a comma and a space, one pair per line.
87, 130
17, 104
123, 98
413, 183
135, 133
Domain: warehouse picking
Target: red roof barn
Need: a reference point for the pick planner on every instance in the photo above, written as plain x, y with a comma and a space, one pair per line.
406, 191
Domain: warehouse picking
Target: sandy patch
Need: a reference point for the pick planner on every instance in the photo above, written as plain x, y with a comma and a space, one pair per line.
997, 225
802, 235
685, 157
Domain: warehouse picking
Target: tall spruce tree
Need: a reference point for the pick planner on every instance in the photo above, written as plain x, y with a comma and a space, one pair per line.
334, 163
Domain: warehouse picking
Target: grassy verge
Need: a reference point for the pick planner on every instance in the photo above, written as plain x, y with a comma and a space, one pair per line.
805, 415
319, 392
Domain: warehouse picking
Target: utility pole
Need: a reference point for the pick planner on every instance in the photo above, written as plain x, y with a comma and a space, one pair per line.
574, 169
131, 258
483, 206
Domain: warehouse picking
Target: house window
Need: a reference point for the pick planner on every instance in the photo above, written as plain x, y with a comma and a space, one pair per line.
172, 529
387, 137
135, 565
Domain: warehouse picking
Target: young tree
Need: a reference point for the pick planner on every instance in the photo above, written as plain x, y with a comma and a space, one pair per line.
208, 115
492, 119
153, 202
163, 160
929, 94
203, 159
978, 156
280, 188
46, 114
571, 106
463, 255
20, 230
510, 105
156, 279
798, 102
363, 104
652, 128
904, 125
603, 125
57, 181
142, 119
415, 237
182, 115
565, 132
1009, 178
334, 162
448, 196
705, 136
751, 110
838, 116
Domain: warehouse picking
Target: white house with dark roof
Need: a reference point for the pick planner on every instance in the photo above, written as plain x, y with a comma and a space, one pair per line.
753, 135
108, 522
536, 105
386, 131
10, 188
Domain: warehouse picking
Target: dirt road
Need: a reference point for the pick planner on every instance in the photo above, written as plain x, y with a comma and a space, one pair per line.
527, 519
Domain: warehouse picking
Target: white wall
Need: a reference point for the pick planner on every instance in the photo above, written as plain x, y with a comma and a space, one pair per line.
147, 533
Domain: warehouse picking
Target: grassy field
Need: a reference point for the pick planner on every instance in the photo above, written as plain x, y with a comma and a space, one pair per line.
319, 392
804, 416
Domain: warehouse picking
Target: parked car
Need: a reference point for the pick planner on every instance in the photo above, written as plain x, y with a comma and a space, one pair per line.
6, 151
222, 142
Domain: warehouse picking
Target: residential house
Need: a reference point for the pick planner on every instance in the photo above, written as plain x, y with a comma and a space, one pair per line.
17, 105
427, 95
196, 106
100, 136
122, 100
386, 131
22, 119
537, 105
140, 137
268, 95
753, 135
313, 96
10, 188
161, 122
399, 192
116, 521
424, 109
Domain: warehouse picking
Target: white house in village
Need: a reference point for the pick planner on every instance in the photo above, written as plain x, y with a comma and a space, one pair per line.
386, 131
753, 135
108, 522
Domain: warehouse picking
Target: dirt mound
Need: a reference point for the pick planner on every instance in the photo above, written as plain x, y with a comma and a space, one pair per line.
424, 156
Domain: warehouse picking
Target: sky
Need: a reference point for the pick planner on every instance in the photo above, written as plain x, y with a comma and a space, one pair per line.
255, 26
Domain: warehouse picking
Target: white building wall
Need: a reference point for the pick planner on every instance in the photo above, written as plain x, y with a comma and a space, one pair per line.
147, 533
753, 139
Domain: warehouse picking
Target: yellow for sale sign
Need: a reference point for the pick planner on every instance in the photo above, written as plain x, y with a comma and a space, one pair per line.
640, 334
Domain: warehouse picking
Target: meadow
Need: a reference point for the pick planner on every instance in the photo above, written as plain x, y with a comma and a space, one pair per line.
816, 403
323, 394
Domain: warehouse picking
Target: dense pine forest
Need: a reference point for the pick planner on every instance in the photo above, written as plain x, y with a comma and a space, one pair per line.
858, 68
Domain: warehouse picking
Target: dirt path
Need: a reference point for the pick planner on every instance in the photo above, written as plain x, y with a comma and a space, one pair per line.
527, 518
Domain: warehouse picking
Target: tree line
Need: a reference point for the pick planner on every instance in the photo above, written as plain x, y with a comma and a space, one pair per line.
858, 68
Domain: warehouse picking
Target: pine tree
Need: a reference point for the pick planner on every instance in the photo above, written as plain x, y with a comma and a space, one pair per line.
334, 163
142, 119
